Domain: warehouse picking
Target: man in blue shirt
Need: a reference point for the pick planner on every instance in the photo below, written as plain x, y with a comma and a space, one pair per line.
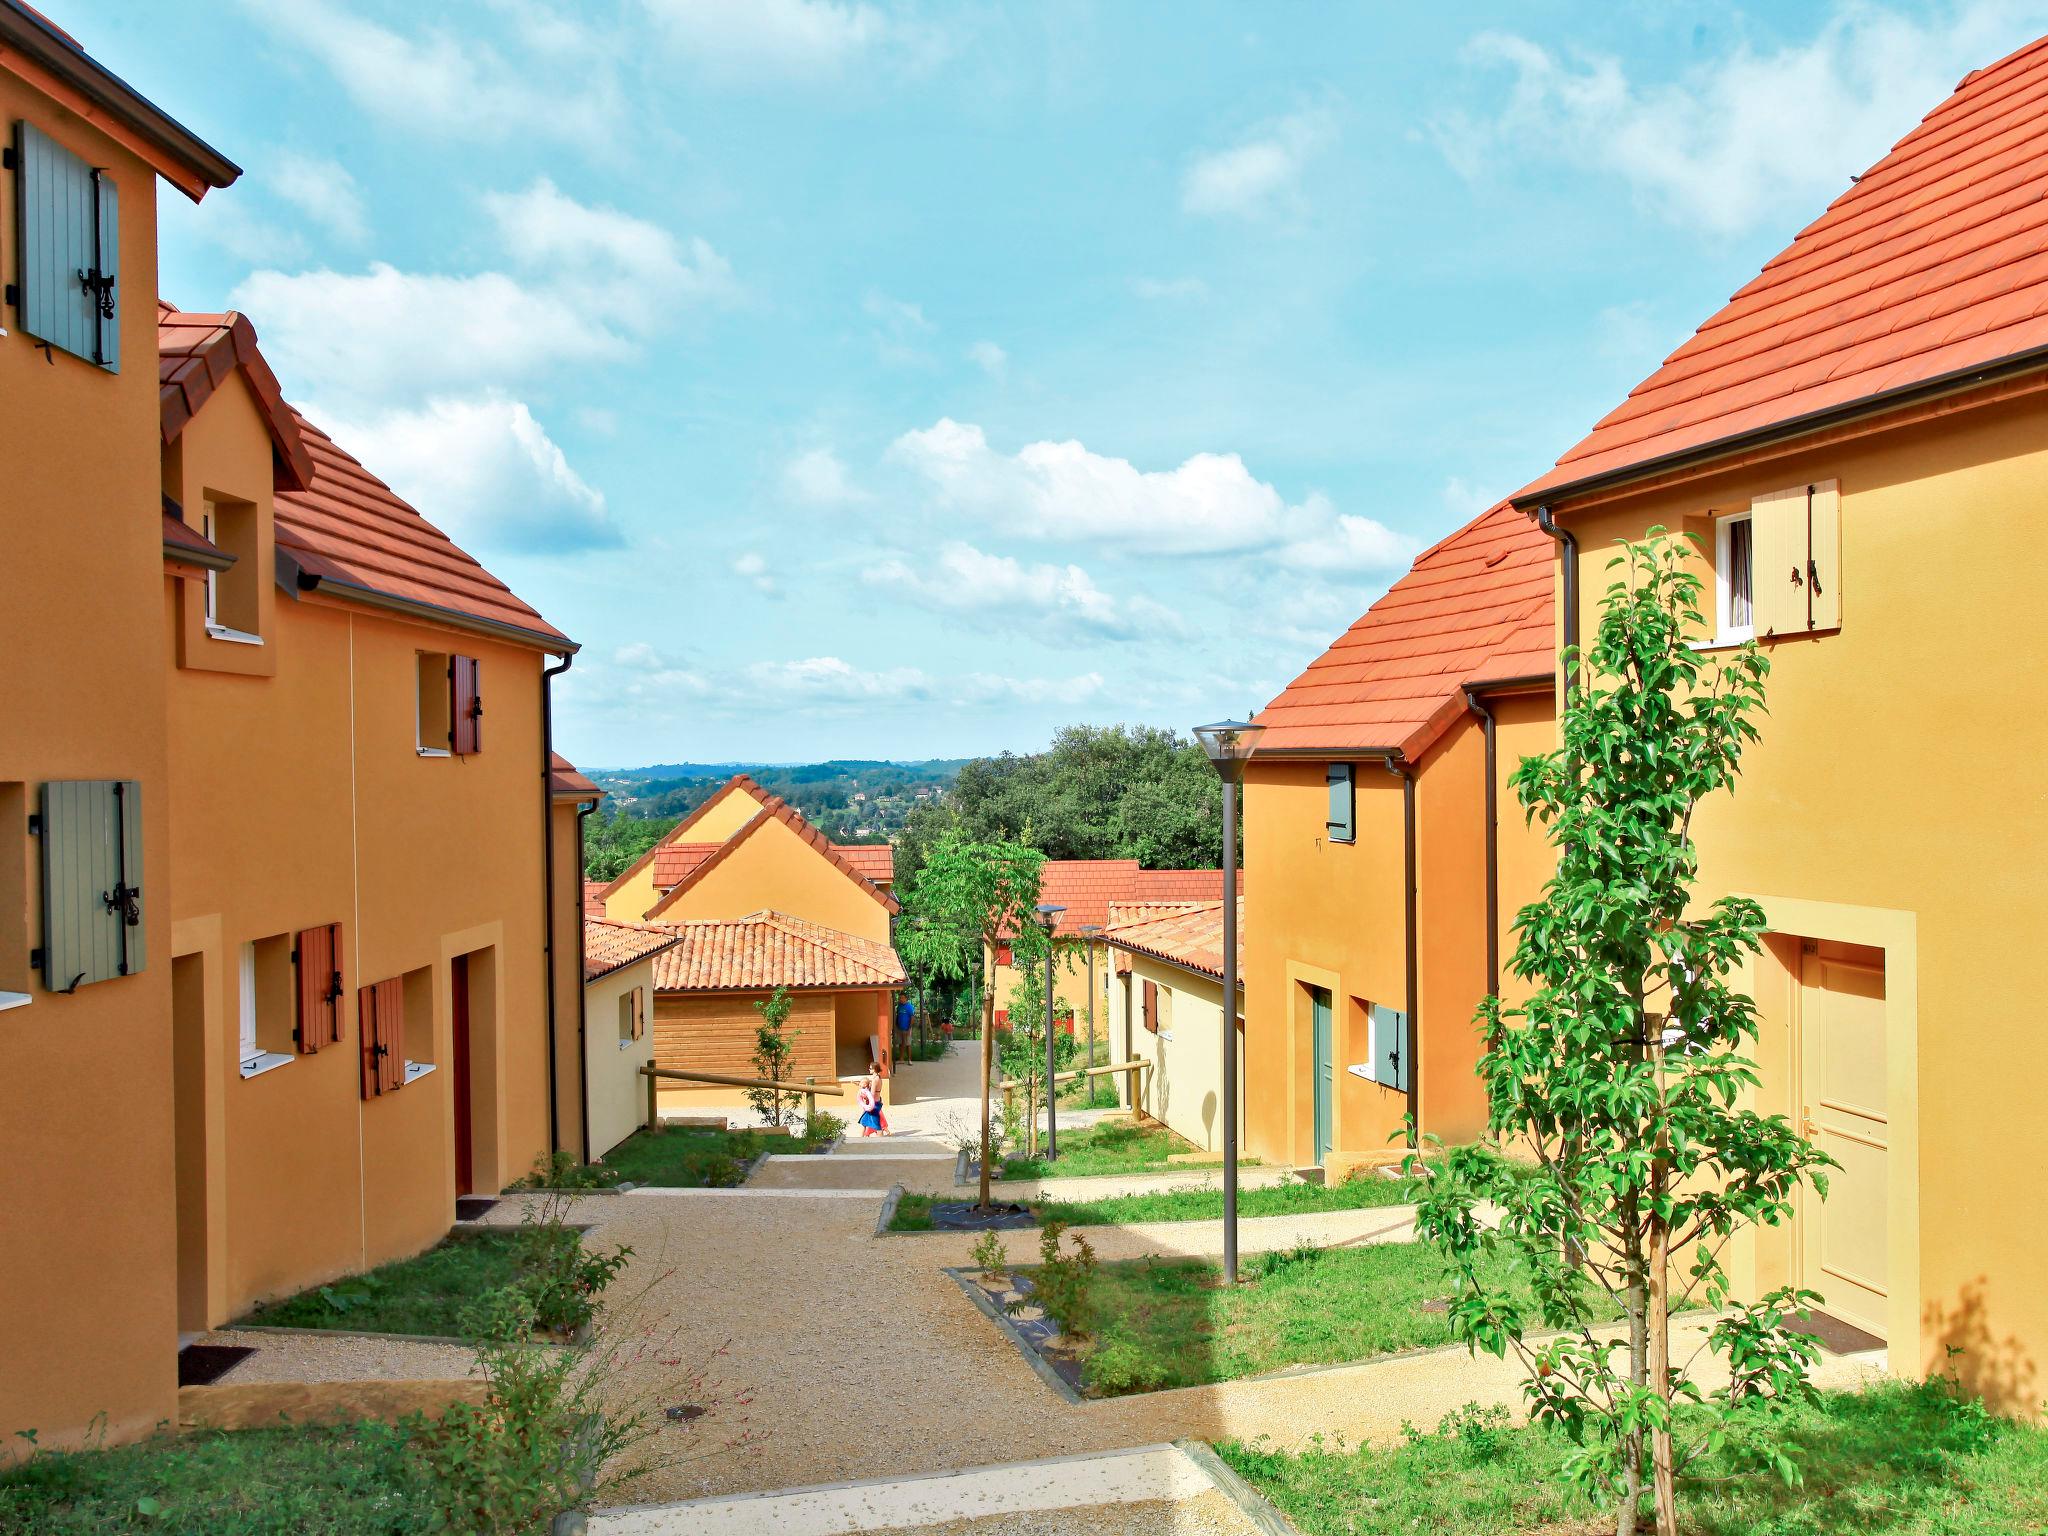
904, 1014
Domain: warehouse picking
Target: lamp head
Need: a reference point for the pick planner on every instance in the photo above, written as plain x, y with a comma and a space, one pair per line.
1049, 916
1229, 743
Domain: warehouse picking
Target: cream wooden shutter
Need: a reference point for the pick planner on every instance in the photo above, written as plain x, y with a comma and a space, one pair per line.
1777, 524
1824, 555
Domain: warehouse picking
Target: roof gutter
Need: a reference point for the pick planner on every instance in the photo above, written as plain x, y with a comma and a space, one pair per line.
1179, 965
1412, 1045
204, 559
1961, 380
35, 39
433, 613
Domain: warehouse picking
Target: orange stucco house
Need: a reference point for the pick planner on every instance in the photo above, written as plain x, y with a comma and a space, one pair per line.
88, 1264
764, 899
1859, 440
1385, 856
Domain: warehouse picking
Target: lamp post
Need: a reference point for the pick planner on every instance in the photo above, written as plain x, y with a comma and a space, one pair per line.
1090, 932
1049, 919
1229, 744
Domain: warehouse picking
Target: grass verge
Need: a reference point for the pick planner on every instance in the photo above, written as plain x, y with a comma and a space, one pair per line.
1361, 1192
423, 1294
686, 1157
1109, 1146
1892, 1460
348, 1480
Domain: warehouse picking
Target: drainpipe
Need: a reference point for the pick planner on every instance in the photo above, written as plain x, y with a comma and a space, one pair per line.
547, 880
1548, 523
582, 993
1492, 813
1406, 775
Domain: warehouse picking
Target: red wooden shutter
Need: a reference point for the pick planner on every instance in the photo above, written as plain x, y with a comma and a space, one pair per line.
318, 952
1152, 1006
465, 706
639, 1012
381, 1007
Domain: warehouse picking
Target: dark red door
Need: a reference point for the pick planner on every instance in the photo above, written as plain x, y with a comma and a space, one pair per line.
458, 999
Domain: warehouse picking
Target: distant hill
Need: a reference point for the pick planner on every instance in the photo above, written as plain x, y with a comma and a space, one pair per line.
850, 800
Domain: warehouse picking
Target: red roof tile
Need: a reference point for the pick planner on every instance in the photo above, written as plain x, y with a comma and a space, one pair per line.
1474, 608
567, 782
593, 898
875, 860
1191, 935
195, 355
1087, 888
1933, 264
765, 950
610, 946
676, 862
186, 545
774, 809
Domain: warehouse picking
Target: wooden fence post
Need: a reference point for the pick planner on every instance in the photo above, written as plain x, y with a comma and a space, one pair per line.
810, 1102
653, 1101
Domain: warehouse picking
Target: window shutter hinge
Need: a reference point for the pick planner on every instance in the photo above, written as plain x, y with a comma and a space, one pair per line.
14, 295
35, 959
35, 823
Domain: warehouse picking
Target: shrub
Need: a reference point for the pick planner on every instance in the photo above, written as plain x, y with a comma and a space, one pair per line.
989, 1255
560, 1281
822, 1127
561, 1170
1063, 1279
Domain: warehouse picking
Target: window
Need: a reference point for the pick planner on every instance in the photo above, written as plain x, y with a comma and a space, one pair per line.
1152, 1006
316, 954
15, 969
450, 705
94, 899
267, 1004
1389, 1046
632, 1018
418, 987
1003, 956
232, 595
1734, 579
68, 254
1343, 819
380, 1016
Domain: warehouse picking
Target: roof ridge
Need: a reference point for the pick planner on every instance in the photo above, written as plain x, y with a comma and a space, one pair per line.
674, 835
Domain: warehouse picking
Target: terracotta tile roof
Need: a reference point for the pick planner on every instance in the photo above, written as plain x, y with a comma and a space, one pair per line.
195, 355
566, 781
676, 862
775, 809
1088, 888
610, 946
1932, 265
1474, 608
680, 831
593, 898
765, 950
1191, 936
186, 545
875, 860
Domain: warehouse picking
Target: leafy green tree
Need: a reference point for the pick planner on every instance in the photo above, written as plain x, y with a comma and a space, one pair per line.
1623, 1071
986, 890
773, 1052
612, 840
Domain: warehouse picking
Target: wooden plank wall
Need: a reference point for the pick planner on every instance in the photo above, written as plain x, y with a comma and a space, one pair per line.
716, 1034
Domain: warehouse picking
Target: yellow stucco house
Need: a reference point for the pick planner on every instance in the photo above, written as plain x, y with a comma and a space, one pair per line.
1166, 1009
1859, 439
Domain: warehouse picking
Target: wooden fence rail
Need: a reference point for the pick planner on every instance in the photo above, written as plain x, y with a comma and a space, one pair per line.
810, 1088
1134, 1066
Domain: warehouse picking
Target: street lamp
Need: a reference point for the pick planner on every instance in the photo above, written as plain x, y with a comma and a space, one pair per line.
1090, 932
1049, 919
1229, 744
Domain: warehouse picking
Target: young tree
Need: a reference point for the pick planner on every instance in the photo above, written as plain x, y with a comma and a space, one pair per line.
985, 890
773, 1052
1623, 1071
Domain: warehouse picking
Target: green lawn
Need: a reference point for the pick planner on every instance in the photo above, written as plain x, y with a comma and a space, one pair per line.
1890, 1461
1362, 1192
1110, 1146
1158, 1323
423, 1294
343, 1481
686, 1157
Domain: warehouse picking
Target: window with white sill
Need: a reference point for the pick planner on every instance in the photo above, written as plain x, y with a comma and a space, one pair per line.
1734, 579
232, 595
266, 1003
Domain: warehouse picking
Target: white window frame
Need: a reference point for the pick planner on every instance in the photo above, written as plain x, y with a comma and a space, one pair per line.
418, 722
627, 1001
1727, 632
214, 627
255, 1061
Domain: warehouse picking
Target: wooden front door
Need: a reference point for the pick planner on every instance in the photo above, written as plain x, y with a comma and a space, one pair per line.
1843, 1080
458, 1002
1324, 1069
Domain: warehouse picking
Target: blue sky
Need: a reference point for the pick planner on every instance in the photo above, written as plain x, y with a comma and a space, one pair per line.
862, 379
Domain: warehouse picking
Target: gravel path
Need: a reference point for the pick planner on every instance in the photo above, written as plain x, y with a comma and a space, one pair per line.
1210, 1514
339, 1357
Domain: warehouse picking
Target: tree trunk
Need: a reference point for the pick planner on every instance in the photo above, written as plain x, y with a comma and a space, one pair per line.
1664, 1476
988, 1045
1638, 1368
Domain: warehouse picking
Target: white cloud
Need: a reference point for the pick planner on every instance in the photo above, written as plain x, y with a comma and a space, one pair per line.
1060, 602
482, 470
782, 37
1210, 504
1464, 500
1261, 174
1349, 543
454, 83
990, 358
1742, 138
818, 478
1183, 288
618, 264
751, 568
900, 330
322, 190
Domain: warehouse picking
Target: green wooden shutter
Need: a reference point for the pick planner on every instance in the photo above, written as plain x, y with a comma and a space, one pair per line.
1343, 827
92, 881
68, 218
1390, 1047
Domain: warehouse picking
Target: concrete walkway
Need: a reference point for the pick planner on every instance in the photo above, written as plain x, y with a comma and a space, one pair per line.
827, 1354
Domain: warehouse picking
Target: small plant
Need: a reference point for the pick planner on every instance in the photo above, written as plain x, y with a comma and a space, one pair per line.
1481, 1428
1302, 1253
560, 1281
822, 1127
561, 1170
1061, 1284
990, 1256
773, 1053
